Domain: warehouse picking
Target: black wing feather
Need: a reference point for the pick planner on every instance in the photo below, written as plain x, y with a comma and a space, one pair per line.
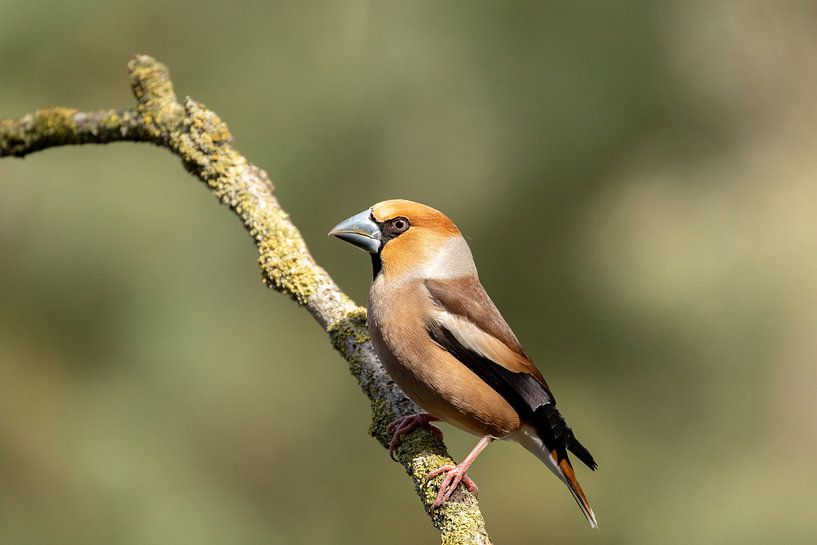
529, 397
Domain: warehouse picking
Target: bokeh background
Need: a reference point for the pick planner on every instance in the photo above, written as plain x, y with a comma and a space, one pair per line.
638, 181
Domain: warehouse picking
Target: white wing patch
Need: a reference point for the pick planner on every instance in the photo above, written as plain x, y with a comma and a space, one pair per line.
474, 338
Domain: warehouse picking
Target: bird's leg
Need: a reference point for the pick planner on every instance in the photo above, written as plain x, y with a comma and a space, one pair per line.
456, 474
401, 426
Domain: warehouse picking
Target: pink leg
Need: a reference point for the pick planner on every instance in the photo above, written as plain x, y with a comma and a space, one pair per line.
454, 475
405, 424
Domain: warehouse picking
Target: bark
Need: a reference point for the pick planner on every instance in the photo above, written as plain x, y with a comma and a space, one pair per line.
204, 144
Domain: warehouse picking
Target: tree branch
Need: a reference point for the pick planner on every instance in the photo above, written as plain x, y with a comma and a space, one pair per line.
204, 144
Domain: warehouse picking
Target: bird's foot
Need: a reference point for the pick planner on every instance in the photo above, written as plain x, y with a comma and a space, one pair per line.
454, 475
401, 426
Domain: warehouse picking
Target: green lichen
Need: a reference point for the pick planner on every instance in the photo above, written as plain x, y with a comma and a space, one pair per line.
203, 141
56, 123
112, 120
459, 519
284, 268
150, 81
347, 333
460, 523
382, 415
159, 109
209, 131
351, 327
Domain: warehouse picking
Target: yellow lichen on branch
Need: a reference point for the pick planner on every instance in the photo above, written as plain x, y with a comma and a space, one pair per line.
204, 144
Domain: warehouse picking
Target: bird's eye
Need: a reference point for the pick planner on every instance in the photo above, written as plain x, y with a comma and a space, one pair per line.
399, 225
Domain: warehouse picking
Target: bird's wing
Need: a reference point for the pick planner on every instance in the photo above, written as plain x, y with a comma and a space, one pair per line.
468, 325
466, 301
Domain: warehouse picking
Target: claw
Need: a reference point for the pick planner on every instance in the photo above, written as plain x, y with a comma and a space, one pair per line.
454, 475
405, 424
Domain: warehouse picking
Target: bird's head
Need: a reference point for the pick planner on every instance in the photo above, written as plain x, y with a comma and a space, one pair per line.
408, 238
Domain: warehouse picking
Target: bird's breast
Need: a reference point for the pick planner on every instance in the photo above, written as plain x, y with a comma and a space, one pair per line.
428, 374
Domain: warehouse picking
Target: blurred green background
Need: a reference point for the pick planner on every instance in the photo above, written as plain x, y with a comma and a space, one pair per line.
636, 179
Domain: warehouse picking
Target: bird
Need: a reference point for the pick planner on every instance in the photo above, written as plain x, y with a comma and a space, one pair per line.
442, 340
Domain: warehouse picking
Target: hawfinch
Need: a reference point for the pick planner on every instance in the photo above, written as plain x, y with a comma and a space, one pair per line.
446, 345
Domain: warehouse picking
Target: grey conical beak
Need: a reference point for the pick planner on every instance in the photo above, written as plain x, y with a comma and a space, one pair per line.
359, 230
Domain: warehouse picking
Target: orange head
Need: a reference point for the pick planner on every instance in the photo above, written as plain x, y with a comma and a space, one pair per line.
408, 238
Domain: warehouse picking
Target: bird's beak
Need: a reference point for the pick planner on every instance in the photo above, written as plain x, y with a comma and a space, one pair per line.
360, 231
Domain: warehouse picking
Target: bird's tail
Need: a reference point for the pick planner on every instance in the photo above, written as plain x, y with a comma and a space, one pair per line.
557, 461
564, 470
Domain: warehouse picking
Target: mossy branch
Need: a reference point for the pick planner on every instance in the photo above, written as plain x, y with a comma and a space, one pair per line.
204, 144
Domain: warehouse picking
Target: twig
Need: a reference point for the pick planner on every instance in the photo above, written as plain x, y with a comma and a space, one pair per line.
205, 146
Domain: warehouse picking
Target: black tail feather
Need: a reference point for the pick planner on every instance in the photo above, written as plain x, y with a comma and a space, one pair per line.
554, 429
582, 453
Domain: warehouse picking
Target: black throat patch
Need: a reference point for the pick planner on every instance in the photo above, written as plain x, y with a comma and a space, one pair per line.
377, 264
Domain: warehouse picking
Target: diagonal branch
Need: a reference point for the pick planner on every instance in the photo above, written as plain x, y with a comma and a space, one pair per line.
204, 144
